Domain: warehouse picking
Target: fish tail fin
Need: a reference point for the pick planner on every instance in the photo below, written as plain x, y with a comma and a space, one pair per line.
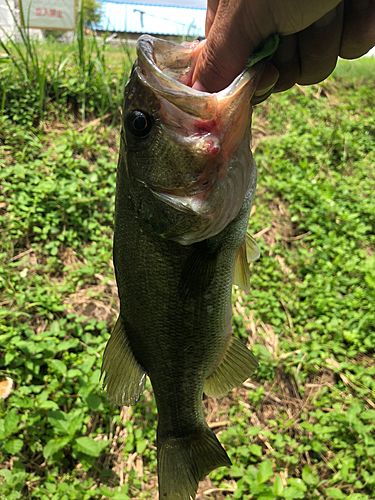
183, 462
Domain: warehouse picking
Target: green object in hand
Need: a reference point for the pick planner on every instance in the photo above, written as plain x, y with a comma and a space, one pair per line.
265, 50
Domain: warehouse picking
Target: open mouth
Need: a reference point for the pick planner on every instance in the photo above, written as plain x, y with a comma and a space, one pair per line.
213, 127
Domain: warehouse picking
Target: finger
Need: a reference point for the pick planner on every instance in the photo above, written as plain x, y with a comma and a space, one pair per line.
311, 55
286, 61
291, 17
212, 6
229, 44
240, 26
358, 35
319, 47
266, 84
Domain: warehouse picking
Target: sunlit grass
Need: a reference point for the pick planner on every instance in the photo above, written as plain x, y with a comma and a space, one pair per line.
356, 69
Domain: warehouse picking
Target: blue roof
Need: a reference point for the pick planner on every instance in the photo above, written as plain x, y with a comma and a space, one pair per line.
191, 4
156, 19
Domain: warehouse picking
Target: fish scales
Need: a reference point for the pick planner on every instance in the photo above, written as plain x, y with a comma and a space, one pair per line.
170, 336
185, 184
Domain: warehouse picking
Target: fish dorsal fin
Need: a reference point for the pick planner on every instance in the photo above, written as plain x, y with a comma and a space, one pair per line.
198, 271
252, 249
247, 252
124, 377
237, 364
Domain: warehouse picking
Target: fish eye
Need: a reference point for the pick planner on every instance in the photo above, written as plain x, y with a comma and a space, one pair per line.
139, 124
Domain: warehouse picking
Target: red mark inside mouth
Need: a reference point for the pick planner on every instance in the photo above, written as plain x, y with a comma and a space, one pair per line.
212, 148
204, 126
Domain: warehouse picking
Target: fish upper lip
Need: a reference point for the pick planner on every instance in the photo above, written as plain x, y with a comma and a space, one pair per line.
145, 51
203, 105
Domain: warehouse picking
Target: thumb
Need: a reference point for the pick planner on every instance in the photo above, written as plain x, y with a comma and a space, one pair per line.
239, 26
230, 41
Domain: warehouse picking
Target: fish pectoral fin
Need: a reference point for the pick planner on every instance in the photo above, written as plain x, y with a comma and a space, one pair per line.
198, 271
252, 249
183, 462
124, 377
237, 364
241, 274
247, 252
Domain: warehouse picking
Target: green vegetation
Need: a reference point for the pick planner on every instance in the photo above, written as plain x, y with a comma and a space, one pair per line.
79, 78
311, 313
91, 10
304, 426
357, 70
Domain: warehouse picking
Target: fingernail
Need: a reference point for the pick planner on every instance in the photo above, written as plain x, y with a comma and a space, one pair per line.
198, 86
261, 92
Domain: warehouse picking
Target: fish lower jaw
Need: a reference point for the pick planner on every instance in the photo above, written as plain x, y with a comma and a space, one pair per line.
199, 215
207, 214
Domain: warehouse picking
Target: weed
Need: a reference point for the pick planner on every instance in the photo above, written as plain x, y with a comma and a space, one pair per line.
39, 77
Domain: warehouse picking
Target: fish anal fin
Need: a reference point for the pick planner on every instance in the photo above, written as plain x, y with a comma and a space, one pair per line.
237, 364
197, 272
124, 377
183, 462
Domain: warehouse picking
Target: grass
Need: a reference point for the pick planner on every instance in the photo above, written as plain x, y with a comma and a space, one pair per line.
78, 78
304, 426
356, 70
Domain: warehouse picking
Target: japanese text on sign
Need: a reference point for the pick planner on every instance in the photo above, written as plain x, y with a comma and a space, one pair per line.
49, 14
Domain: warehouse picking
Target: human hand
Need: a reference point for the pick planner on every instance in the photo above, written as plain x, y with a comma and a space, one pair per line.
314, 33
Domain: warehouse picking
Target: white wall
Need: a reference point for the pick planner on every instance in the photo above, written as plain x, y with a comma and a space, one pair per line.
7, 25
6, 20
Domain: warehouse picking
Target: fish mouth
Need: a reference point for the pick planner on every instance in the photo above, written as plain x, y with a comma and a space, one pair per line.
211, 126
167, 69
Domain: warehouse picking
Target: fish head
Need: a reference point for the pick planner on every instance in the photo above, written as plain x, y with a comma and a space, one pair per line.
187, 153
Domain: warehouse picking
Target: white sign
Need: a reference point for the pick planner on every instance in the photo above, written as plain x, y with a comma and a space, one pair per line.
49, 14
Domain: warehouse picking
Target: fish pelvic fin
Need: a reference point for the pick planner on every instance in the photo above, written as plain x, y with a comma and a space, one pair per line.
124, 377
247, 252
183, 462
237, 364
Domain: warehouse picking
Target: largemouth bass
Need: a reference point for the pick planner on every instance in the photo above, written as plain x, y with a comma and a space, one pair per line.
185, 184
